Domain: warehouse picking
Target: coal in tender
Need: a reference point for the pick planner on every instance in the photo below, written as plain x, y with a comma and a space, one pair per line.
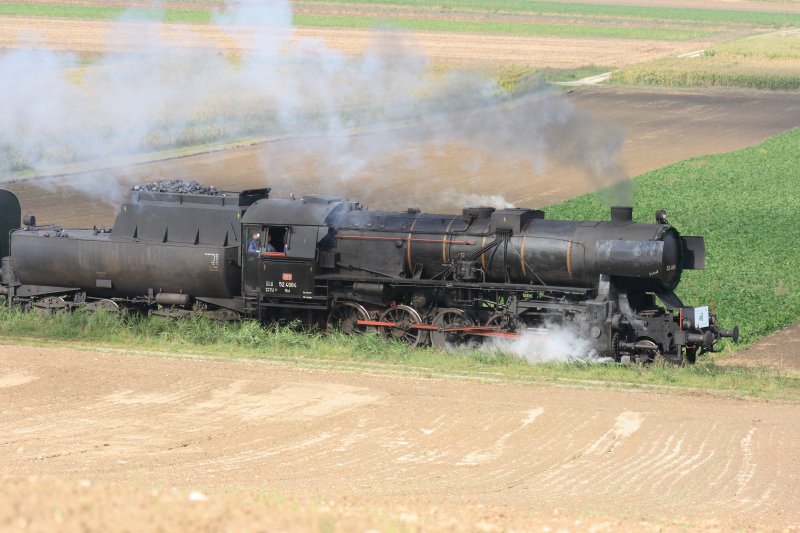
178, 187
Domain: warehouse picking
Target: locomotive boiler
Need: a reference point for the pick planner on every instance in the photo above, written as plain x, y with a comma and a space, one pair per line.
451, 280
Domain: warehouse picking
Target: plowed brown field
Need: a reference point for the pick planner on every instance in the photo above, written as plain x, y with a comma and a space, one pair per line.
111, 438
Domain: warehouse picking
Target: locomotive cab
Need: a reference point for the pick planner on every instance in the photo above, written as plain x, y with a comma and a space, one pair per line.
281, 257
279, 261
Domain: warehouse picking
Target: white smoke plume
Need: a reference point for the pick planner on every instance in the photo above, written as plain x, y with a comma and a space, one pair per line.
474, 200
148, 95
551, 344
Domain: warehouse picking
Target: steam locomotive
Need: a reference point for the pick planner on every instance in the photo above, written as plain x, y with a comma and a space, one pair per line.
448, 280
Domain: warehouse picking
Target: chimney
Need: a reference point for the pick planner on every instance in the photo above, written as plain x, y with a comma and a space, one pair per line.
621, 213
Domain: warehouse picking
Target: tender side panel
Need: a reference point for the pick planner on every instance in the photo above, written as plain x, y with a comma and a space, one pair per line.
101, 266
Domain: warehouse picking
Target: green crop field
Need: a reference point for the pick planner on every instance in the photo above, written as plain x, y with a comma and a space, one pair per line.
563, 19
89, 12
780, 46
599, 9
756, 63
199, 10
746, 205
504, 28
362, 22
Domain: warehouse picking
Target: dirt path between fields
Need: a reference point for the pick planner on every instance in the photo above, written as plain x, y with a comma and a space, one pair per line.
93, 427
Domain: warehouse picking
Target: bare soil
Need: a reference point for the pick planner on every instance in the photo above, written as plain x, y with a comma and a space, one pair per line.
94, 440
781, 350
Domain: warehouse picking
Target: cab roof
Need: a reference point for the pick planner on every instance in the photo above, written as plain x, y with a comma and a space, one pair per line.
311, 210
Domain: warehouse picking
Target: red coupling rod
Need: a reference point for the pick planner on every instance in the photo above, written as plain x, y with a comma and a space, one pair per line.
481, 331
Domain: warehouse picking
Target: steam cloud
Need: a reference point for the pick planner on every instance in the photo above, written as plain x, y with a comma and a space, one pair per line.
385, 103
549, 343
463, 198
553, 344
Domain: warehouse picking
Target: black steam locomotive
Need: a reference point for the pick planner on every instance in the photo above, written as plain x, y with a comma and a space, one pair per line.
450, 280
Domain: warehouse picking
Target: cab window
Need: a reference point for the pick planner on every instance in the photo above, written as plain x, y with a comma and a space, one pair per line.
278, 239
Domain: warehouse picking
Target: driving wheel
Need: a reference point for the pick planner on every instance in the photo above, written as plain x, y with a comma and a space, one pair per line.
451, 340
403, 316
344, 317
506, 323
